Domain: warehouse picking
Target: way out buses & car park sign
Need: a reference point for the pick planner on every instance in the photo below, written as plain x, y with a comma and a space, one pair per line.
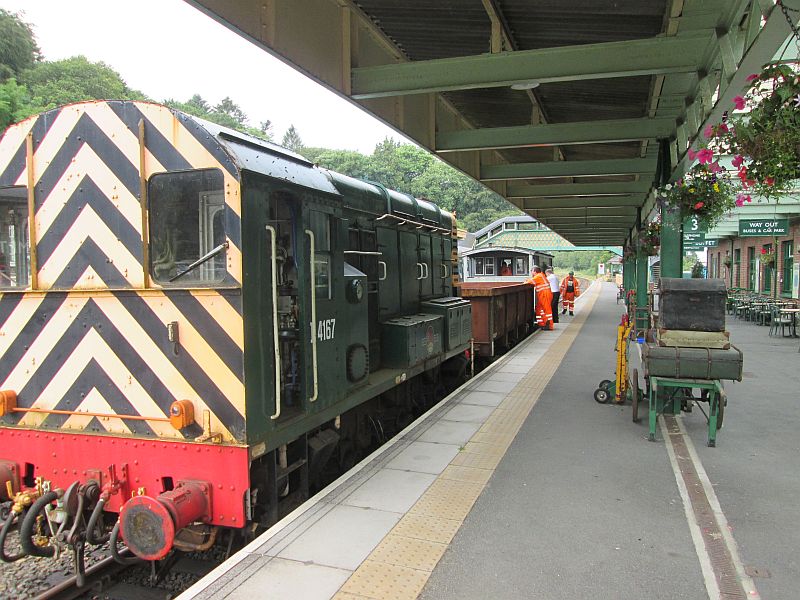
763, 227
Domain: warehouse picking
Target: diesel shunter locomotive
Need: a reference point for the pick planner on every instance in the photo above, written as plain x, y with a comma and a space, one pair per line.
198, 326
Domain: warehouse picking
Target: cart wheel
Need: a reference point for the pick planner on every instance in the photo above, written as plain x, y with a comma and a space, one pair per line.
636, 393
605, 384
722, 401
601, 395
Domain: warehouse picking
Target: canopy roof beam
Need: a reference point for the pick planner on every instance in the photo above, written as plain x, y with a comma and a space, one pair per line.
522, 190
629, 58
573, 168
589, 202
581, 132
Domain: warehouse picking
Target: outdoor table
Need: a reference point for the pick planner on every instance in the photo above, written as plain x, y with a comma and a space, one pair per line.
793, 313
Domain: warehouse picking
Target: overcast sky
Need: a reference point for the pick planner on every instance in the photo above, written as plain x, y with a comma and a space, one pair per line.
167, 49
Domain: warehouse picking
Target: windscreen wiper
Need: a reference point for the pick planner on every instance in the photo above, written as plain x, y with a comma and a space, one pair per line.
203, 259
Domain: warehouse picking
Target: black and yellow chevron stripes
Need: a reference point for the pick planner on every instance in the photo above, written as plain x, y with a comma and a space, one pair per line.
86, 194
109, 353
91, 338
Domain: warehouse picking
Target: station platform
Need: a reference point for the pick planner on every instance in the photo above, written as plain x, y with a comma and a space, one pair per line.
519, 485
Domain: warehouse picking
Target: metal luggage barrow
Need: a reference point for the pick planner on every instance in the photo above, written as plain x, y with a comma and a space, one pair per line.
671, 375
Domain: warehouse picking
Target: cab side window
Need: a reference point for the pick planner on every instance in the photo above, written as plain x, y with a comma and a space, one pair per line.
187, 228
15, 253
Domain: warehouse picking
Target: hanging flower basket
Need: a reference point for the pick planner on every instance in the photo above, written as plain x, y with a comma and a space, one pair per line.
765, 140
650, 239
704, 193
628, 253
767, 257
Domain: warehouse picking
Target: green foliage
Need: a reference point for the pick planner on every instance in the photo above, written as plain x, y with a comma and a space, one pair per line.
409, 169
698, 270
585, 261
650, 238
55, 83
766, 139
689, 261
291, 140
226, 113
13, 103
701, 194
18, 49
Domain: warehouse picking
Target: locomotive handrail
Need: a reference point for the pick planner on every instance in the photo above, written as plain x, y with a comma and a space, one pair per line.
416, 223
313, 316
382, 277
363, 253
444, 271
420, 272
277, 350
426, 272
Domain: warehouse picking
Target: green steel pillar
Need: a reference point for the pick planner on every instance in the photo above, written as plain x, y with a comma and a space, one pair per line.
641, 292
629, 274
671, 244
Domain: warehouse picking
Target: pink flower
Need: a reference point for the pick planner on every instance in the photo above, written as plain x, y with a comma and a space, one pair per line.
738, 103
714, 167
705, 156
723, 127
752, 77
770, 181
742, 198
739, 201
699, 205
709, 131
737, 161
692, 154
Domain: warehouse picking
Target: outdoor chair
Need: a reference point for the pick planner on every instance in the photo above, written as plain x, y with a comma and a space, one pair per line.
779, 320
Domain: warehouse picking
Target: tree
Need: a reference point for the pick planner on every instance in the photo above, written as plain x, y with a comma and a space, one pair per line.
18, 48
291, 140
229, 113
13, 103
75, 79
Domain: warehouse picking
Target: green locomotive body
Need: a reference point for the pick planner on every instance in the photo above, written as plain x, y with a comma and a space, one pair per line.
190, 312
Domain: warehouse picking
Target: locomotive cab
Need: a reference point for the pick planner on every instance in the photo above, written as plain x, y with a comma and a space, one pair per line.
199, 327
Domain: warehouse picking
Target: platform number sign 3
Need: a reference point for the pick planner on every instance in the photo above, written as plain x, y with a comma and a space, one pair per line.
694, 224
326, 329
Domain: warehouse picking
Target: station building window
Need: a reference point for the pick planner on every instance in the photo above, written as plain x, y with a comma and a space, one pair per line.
737, 266
521, 265
787, 249
768, 272
752, 273
187, 228
15, 253
479, 266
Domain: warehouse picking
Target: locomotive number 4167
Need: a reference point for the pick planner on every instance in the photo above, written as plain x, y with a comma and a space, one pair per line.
326, 329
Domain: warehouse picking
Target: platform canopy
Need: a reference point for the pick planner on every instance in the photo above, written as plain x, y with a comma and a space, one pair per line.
572, 110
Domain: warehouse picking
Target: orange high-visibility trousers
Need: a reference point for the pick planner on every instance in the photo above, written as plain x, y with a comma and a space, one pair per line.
544, 301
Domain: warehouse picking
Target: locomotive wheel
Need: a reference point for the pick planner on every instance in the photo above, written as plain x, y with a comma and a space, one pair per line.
636, 393
601, 395
605, 384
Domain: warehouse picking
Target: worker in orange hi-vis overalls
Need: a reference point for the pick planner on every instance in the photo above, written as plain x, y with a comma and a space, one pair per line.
570, 289
544, 299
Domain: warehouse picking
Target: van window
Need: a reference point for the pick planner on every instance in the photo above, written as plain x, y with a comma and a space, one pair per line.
15, 254
187, 228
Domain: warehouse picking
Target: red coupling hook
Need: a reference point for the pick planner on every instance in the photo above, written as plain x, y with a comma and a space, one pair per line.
148, 525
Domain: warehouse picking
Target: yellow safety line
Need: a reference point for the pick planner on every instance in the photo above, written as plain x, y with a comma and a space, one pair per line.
399, 567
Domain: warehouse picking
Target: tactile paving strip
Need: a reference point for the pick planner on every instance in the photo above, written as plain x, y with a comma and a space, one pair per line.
399, 567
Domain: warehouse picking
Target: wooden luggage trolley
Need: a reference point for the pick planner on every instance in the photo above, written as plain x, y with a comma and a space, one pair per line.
691, 351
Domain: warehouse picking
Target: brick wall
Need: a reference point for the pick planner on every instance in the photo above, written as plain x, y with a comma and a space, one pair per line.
727, 248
